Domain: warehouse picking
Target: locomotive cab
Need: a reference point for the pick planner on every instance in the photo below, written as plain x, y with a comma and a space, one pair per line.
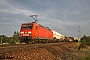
26, 32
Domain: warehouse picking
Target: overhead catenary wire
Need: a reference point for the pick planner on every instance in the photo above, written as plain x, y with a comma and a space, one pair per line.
19, 7
55, 14
66, 25
31, 13
23, 9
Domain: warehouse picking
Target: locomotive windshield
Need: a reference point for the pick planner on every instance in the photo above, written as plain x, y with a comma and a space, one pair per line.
30, 26
26, 26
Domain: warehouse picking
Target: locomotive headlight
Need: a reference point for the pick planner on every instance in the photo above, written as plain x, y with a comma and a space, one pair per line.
29, 32
22, 32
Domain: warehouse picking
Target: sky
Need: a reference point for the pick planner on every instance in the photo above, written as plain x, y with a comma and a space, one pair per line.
67, 17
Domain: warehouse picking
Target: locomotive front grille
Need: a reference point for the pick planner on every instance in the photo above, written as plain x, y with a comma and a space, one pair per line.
25, 34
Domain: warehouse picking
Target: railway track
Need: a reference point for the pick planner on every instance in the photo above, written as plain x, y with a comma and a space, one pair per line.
23, 45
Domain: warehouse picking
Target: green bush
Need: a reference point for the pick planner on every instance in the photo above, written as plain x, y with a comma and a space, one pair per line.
85, 40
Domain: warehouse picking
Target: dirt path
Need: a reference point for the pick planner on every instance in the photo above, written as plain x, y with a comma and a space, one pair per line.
65, 51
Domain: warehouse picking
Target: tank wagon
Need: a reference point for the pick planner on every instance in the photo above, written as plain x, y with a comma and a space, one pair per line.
58, 36
32, 31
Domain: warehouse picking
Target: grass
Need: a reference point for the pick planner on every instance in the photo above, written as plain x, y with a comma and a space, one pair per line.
86, 57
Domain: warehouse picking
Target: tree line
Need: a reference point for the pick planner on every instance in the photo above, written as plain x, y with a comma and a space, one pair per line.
10, 40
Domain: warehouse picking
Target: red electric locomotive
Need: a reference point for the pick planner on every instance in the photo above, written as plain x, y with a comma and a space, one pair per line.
32, 31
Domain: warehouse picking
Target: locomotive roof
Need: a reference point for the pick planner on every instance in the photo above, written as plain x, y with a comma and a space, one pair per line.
44, 27
26, 23
36, 23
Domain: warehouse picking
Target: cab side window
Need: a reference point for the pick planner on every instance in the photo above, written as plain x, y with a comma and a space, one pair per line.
36, 27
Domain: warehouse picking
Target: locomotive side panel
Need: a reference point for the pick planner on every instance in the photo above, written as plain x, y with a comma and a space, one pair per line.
41, 32
44, 33
49, 34
34, 31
